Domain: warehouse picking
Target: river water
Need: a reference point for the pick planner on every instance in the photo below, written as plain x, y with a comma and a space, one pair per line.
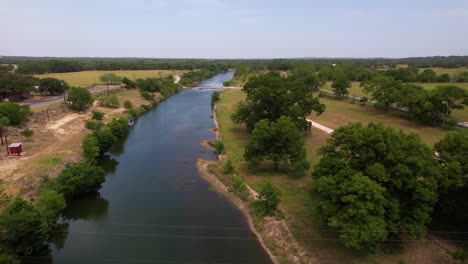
154, 207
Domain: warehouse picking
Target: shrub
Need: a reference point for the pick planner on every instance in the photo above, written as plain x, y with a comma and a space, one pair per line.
27, 133
111, 101
15, 112
90, 148
80, 98
24, 229
93, 125
147, 95
322, 94
219, 147
238, 187
128, 105
105, 139
228, 167
268, 199
215, 98
118, 127
5, 259
98, 116
79, 178
50, 204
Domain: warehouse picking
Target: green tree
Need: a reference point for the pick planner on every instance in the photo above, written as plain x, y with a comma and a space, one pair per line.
215, 98
27, 133
23, 227
428, 75
14, 84
279, 142
15, 112
52, 86
90, 148
128, 83
118, 127
448, 98
50, 204
80, 98
271, 96
109, 78
128, 105
97, 115
268, 198
105, 139
341, 84
5, 259
78, 178
373, 181
384, 90
228, 167
443, 78
452, 152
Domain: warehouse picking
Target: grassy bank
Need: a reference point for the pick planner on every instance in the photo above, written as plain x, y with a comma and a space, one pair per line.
88, 78
298, 206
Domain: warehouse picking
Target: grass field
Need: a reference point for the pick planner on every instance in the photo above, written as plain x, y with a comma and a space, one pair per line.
443, 70
459, 115
88, 78
339, 113
297, 205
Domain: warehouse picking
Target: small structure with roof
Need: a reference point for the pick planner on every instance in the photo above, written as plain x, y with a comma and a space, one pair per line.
15, 148
131, 121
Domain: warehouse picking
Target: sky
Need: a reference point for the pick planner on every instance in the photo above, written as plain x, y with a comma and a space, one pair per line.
233, 28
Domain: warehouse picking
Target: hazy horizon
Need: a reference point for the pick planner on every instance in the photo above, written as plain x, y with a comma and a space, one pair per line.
222, 29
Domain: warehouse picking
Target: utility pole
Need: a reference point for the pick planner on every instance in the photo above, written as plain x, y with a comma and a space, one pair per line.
64, 95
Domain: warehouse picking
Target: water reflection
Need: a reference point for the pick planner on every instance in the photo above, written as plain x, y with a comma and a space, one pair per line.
108, 164
88, 207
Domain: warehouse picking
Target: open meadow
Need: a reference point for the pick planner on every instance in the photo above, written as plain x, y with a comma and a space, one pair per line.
298, 206
461, 115
88, 78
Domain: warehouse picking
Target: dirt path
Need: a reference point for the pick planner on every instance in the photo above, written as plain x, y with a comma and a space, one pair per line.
321, 127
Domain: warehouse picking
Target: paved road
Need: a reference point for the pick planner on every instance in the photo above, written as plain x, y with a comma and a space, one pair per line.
53, 99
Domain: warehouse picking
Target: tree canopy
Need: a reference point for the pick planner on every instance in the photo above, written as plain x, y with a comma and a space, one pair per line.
80, 98
52, 86
279, 142
374, 182
271, 96
15, 112
384, 90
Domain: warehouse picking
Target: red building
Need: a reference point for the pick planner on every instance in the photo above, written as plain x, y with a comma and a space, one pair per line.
15, 148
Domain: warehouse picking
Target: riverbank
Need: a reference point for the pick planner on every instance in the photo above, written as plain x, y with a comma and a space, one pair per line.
272, 232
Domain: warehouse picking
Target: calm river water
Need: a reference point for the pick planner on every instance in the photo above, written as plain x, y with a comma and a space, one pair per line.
154, 207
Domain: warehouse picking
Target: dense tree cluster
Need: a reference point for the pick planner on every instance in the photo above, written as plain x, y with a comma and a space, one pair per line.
373, 183
14, 112
16, 84
165, 86
52, 86
79, 98
271, 96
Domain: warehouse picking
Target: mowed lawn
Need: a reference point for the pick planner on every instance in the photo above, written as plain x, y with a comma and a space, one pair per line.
88, 78
340, 113
297, 204
461, 115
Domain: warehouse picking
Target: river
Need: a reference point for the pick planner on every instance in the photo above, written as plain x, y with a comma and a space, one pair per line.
153, 206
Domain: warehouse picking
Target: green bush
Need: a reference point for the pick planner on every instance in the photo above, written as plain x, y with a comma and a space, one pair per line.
97, 115
128, 105
78, 178
111, 101
90, 148
27, 133
238, 187
228, 167
105, 139
268, 199
215, 98
80, 98
93, 125
118, 127
15, 112
24, 228
50, 204
219, 147
147, 95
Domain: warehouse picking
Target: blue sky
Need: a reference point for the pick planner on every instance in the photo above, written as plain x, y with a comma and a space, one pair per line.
233, 28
